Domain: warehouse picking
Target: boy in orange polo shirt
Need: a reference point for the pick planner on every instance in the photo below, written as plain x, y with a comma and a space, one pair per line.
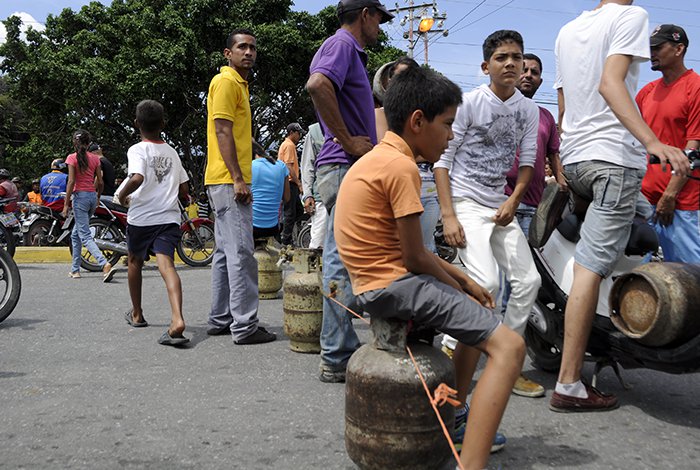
377, 230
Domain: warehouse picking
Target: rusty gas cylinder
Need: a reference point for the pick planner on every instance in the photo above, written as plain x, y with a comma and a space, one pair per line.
657, 303
269, 271
389, 422
303, 302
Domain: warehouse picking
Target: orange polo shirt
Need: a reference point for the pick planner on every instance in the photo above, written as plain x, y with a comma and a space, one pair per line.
288, 154
379, 188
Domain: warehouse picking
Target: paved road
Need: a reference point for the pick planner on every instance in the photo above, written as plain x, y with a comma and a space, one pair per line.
80, 389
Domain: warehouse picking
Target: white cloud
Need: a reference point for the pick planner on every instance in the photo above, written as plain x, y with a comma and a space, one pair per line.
27, 20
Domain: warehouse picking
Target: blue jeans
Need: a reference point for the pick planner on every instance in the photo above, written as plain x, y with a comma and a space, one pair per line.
338, 337
429, 219
524, 215
680, 241
234, 270
84, 205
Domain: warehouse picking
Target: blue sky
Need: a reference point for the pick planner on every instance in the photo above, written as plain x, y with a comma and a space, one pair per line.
459, 54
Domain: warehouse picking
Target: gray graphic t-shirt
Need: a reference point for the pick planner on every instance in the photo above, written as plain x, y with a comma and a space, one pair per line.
488, 133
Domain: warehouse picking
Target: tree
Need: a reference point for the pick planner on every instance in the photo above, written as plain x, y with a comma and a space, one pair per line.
89, 69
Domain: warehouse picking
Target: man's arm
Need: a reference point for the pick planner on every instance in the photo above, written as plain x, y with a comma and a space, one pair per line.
286, 193
135, 181
227, 148
308, 173
419, 260
557, 169
451, 228
69, 190
322, 94
505, 213
612, 89
666, 206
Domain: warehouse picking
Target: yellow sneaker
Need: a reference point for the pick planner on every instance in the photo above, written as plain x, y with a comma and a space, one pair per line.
449, 351
527, 388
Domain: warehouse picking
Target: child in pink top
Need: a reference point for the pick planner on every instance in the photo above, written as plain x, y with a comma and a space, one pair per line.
82, 192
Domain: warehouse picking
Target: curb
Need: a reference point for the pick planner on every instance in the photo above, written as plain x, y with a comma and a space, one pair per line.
52, 254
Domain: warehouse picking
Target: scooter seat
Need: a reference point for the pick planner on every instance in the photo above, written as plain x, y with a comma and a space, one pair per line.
569, 228
643, 238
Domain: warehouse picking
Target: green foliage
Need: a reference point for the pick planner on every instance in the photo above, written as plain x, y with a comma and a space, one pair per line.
90, 68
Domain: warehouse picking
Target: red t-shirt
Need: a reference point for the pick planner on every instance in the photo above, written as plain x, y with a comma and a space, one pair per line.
673, 113
84, 181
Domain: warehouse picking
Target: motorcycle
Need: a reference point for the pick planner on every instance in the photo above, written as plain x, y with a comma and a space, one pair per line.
607, 346
9, 227
108, 228
41, 226
10, 285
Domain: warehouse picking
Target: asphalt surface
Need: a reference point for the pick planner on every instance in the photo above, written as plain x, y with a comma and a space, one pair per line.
79, 388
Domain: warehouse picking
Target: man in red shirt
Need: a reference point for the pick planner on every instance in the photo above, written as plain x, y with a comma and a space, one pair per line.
671, 108
8, 190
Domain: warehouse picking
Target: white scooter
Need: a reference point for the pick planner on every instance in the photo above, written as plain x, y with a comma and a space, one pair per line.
607, 345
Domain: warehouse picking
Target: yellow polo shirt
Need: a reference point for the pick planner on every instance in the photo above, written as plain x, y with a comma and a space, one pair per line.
229, 99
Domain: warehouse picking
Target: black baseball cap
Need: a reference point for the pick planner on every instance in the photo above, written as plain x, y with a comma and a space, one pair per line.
668, 33
295, 127
345, 6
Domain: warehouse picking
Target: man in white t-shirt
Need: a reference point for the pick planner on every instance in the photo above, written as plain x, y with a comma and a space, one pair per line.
603, 153
156, 180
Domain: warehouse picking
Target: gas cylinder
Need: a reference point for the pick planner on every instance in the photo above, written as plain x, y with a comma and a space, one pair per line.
389, 422
303, 301
269, 271
657, 303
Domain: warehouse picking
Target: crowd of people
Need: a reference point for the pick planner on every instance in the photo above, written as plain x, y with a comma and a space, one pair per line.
388, 159
480, 161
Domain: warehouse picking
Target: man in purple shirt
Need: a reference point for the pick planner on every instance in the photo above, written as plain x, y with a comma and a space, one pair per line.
342, 95
547, 147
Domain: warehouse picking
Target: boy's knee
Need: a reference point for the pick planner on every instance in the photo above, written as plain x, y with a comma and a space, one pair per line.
509, 347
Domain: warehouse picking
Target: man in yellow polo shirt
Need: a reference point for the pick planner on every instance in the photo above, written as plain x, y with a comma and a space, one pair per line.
234, 273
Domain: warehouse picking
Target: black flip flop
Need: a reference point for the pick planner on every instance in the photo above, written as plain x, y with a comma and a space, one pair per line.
167, 340
129, 319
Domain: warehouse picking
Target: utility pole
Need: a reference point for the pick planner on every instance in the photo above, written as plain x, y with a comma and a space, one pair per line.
429, 15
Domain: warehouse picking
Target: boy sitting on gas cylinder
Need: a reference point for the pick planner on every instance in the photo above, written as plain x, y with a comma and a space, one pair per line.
379, 239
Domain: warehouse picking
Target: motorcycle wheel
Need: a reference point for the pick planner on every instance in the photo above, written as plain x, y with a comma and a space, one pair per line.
543, 354
10, 285
197, 251
100, 228
37, 233
303, 236
7, 240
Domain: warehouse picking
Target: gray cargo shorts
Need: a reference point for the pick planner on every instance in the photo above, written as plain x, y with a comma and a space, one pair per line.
427, 301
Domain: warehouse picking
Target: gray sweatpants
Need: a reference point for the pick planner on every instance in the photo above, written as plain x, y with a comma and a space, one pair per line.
234, 271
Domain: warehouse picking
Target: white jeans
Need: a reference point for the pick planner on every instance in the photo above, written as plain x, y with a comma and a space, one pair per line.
490, 246
318, 226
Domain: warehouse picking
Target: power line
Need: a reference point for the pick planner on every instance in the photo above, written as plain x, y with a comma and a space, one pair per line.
468, 13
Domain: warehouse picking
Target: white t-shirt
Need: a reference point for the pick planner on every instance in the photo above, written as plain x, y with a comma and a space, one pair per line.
155, 201
590, 130
487, 134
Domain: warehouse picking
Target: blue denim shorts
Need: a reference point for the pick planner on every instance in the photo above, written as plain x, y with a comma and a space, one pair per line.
613, 191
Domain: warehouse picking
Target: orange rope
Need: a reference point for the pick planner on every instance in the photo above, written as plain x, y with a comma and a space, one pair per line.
442, 392
437, 413
332, 298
